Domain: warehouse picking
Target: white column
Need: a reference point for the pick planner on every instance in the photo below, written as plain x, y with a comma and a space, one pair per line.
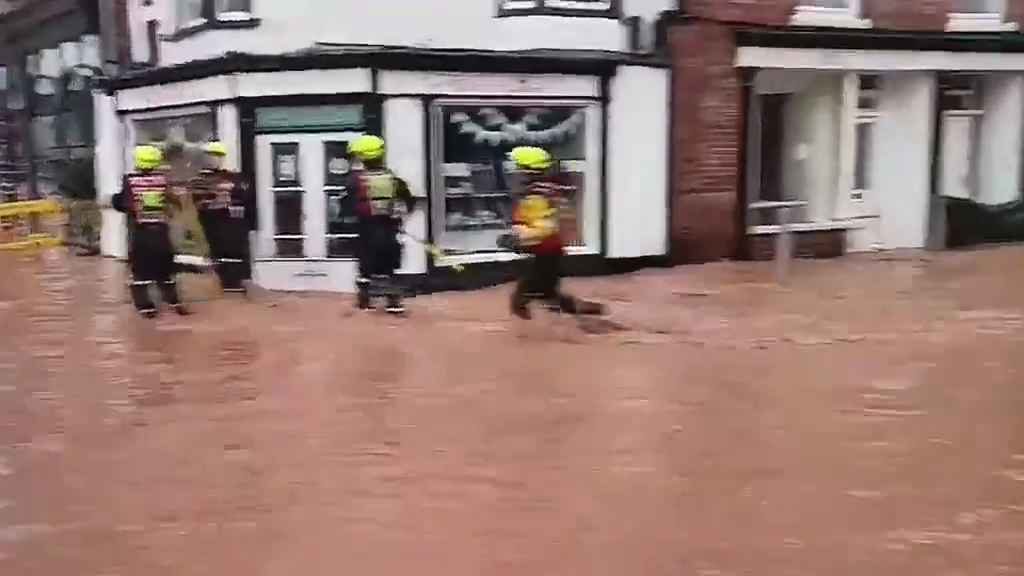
229, 133
1002, 127
903, 175
109, 169
404, 132
638, 126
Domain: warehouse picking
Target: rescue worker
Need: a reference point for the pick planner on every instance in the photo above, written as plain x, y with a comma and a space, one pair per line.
145, 198
382, 201
227, 214
535, 231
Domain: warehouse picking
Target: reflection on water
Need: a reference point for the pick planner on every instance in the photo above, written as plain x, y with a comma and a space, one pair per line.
865, 420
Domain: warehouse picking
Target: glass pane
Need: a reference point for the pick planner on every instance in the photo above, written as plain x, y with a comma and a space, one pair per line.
336, 163
341, 247
232, 6
481, 186
862, 174
842, 4
286, 164
978, 6
289, 247
288, 213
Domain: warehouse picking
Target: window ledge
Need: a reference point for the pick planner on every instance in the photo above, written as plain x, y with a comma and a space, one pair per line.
233, 21
568, 8
848, 224
827, 17
969, 22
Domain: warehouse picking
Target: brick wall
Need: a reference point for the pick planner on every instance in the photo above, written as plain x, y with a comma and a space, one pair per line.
816, 244
1015, 12
706, 134
885, 14
766, 12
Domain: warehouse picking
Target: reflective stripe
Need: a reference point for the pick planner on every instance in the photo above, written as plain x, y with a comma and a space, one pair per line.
171, 283
230, 260
140, 283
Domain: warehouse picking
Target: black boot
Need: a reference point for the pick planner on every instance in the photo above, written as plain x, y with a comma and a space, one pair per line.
169, 290
141, 299
395, 305
363, 293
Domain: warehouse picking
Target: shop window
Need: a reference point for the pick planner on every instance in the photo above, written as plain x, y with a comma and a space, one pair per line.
864, 135
476, 187
197, 15
601, 8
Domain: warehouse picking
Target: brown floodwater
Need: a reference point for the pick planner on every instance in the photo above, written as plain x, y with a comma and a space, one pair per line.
865, 419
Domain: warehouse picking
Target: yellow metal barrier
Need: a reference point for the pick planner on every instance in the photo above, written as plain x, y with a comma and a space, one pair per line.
32, 224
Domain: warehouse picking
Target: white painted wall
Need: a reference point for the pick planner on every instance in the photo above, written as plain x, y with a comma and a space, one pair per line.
904, 135
638, 127
404, 131
109, 169
811, 146
460, 24
1002, 128
229, 133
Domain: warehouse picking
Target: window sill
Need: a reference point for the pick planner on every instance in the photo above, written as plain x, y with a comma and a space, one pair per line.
232, 23
827, 17
845, 224
566, 8
979, 23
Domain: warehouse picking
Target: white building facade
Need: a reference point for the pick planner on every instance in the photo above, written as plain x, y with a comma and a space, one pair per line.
451, 86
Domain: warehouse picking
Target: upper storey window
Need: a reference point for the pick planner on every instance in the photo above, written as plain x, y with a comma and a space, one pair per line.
598, 8
838, 13
192, 16
978, 16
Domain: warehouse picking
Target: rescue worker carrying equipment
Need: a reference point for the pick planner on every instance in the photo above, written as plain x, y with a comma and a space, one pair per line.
382, 201
227, 213
536, 232
145, 198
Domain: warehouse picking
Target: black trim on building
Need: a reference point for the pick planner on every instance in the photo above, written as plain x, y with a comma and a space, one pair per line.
605, 97
576, 62
836, 39
210, 24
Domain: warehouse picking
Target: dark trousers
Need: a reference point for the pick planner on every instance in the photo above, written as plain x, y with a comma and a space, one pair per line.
228, 239
152, 262
540, 279
380, 254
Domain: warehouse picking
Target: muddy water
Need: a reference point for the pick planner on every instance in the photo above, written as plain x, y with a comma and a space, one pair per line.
864, 420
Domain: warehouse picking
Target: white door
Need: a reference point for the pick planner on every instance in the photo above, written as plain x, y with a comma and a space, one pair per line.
300, 191
957, 157
306, 234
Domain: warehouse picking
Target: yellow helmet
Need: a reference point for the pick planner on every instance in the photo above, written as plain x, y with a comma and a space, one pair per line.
215, 148
531, 158
367, 147
148, 157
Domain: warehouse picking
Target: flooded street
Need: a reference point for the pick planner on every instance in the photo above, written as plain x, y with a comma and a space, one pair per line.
864, 420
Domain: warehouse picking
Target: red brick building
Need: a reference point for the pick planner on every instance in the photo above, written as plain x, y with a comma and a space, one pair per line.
867, 110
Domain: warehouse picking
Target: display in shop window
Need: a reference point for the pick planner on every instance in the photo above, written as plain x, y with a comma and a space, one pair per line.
480, 185
286, 164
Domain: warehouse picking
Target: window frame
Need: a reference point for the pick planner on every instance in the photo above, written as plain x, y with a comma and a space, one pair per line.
211, 19
959, 21
807, 13
570, 8
590, 209
864, 116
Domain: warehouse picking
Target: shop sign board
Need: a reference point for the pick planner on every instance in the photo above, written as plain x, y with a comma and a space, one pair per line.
279, 119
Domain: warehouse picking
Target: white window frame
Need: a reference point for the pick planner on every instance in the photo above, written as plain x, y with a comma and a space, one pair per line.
232, 15
180, 23
591, 209
581, 7
980, 21
863, 116
809, 14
